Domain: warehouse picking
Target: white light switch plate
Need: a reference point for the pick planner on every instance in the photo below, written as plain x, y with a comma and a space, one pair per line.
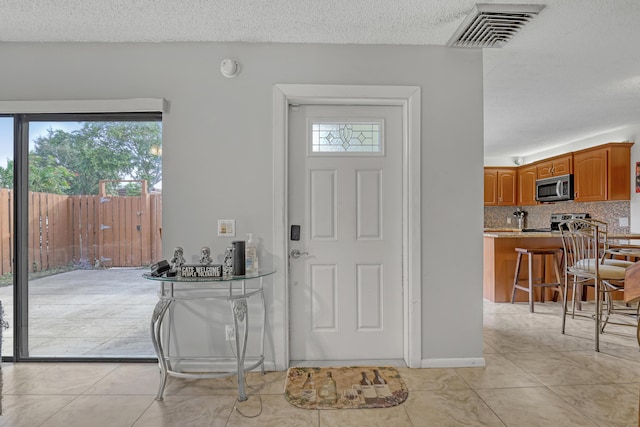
227, 227
624, 222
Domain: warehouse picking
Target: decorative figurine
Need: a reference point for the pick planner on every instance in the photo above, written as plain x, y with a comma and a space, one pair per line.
205, 256
227, 264
177, 260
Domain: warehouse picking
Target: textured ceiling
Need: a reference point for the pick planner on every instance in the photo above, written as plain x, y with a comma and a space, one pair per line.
573, 72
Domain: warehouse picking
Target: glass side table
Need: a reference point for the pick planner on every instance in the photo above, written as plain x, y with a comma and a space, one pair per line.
230, 288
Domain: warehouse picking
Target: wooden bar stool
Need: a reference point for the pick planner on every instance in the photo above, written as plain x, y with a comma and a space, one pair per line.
540, 282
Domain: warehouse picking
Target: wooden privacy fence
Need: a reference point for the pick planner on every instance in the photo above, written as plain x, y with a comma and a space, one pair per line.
86, 231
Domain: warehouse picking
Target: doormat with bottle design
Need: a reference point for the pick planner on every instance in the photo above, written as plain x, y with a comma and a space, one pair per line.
345, 388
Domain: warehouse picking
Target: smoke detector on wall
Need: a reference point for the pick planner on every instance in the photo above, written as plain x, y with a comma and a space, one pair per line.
229, 68
493, 25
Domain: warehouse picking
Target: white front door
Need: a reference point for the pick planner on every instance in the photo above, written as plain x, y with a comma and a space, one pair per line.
345, 193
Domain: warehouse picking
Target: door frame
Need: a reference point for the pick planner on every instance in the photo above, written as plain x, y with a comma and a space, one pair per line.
407, 97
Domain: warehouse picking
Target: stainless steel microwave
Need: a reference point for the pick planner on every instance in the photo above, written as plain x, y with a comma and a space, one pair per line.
554, 189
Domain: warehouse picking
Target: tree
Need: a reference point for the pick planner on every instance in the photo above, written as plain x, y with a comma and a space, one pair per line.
47, 177
103, 151
44, 175
6, 175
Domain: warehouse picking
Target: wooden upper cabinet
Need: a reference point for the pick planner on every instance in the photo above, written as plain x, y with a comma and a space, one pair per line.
527, 176
490, 187
555, 166
563, 165
599, 173
507, 187
603, 173
589, 177
500, 186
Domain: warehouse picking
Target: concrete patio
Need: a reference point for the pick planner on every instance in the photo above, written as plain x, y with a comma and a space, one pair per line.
87, 313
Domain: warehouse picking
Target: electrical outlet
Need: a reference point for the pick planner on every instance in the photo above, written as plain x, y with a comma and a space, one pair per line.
624, 221
227, 227
229, 332
508, 220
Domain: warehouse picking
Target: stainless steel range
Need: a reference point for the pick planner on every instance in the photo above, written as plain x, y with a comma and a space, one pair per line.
558, 218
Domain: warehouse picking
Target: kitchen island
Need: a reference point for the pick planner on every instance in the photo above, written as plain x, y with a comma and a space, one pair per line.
500, 260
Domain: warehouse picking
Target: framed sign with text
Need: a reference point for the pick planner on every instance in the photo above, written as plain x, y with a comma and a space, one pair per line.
196, 270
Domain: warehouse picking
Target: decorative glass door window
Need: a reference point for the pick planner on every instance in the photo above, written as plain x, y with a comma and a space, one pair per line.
347, 137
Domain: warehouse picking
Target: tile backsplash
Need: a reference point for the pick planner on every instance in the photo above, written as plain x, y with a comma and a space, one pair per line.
538, 215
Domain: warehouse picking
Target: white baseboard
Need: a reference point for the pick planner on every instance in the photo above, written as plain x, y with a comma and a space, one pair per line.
270, 365
462, 362
217, 366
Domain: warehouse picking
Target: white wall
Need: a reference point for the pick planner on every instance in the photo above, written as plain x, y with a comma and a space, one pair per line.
217, 144
620, 134
633, 135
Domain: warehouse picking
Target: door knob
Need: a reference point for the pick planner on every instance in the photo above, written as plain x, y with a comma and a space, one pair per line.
295, 253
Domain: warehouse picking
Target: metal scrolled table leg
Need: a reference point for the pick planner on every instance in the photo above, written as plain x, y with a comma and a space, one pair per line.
156, 330
264, 322
240, 315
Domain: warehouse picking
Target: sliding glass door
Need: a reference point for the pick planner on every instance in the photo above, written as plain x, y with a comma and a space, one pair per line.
90, 214
6, 233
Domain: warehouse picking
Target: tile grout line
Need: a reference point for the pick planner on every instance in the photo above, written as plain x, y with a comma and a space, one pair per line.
59, 410
489, 406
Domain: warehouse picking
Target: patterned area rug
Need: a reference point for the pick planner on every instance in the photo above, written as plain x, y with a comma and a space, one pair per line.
345, 388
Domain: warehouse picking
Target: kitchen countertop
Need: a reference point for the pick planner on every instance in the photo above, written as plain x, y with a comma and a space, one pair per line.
506, 233
511, 234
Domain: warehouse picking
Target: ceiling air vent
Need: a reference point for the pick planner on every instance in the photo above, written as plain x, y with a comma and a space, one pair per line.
493, 25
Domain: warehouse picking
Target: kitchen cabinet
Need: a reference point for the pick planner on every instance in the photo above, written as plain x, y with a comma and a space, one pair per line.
527, 176
602, 173
500, 186
599, 173
555, 166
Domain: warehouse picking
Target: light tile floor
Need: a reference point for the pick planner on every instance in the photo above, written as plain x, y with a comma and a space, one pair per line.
535, 376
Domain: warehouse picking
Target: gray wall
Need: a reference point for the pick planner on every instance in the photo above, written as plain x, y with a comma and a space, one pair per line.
217, 144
